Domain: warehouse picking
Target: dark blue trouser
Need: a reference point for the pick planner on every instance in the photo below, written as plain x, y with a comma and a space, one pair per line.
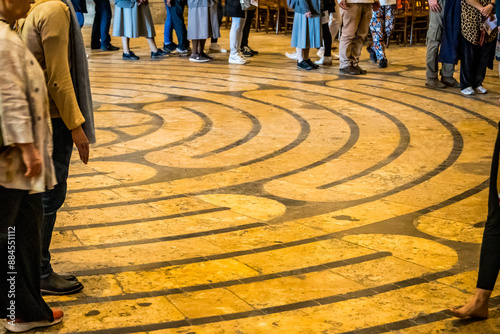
54, 199
20, 224
176, 12
489, 261
102, 23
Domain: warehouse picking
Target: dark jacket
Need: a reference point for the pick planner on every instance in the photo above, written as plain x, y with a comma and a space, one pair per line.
80, 6
232, 8
450, 39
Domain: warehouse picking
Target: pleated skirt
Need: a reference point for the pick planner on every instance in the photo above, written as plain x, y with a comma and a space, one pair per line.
306, 32
203, 22
133, 22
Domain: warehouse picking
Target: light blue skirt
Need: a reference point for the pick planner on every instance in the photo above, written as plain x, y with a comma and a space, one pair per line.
133, 22
306, 32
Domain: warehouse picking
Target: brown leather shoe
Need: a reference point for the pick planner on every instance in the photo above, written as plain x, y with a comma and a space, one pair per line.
434, 83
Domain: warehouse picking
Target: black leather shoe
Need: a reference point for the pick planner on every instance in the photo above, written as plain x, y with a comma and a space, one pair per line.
373, 55
361, 71
314, 66
130, 56
382, 63
349, 70
159, 54
95, 46
110, 47
56, 285
304, 65
68, 277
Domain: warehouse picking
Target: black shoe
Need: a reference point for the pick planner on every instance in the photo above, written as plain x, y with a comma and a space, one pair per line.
248, 52
68, 277
159, 54
95, 46
349, 70
130, 56
382, 63
361, 71
56, 285
314, 66
170, 47
110, 47
203, 54
304, 65
373, 55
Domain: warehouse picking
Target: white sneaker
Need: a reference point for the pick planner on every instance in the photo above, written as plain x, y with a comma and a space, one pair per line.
216, 48
236, 59
321, 52
291, 55
481, 90
324, 61
468, 91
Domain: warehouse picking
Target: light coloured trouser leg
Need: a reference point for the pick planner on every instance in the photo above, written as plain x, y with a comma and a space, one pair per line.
434, 34
350, 18
335, 21
362, 30
236, 34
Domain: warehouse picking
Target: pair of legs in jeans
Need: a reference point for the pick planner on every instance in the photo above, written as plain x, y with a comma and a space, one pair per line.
102, 21
175, 21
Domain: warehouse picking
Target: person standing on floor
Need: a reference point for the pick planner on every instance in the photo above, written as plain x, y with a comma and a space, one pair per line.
27, 171
52, 34
100, 38
80, 7
233, 10
356, 16
381, 27
489, 260
328, 7
132, 20
175, 14
202, 24
306, 31
245, 49
435, 33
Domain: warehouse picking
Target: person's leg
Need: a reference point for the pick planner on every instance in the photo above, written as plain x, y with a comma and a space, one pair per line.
105, 23
20, 232
390, 11
95, 41
335, 21
167, 27
300, 55
246, 28
377, 29
489, 260
80, 18
361, 32
433, 43
201, 46
484, 54
126, 44
350, 17
177, 14
152, 44
327, 40
234, 33
467, 65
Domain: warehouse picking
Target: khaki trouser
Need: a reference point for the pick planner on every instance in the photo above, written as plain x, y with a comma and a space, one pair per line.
433, 44
356, 19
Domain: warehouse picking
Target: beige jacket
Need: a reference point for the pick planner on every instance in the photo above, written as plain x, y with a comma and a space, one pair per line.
41, 31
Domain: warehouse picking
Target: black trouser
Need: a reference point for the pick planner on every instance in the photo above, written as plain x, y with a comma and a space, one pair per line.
20, 223
54, 199
220, 15
489, 261
473, 62
246, 28
327, 40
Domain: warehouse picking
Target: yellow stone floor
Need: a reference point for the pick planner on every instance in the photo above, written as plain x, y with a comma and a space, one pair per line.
263, 199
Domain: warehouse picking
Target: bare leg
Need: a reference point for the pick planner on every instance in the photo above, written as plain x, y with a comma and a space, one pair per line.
201, 46
477, 307
125, 43
152, 44
195, 43
305, 53
300, 55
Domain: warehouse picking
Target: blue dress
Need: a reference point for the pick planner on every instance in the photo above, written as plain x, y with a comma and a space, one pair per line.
306, 31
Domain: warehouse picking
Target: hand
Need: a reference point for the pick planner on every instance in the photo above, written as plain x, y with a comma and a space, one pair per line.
308, 14
169, 3
486, 10
434, 6
82, 143
376, 6
31, 159
343, 4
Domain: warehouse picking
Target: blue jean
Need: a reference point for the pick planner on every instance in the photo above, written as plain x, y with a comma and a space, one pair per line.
167, 30
102, 22
80, 18
54, 199
176, 14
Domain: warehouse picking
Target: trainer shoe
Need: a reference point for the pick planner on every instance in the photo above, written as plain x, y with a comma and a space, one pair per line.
382, 63
349, 70
434, 83
130, 56
236, 59
314, 66
247, 52
480, 90
110, 47
450, 82
216, 48
159, 54
292, 55
373, 55
361, 71
198, 58
304, 65
321, 52
467, 91
204, 55
18, 326
324, 61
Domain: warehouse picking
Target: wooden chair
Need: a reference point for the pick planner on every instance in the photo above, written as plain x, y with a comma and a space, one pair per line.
289, 14
402, 21
419, 18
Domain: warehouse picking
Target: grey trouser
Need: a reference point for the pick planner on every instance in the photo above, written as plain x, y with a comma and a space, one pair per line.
434, 42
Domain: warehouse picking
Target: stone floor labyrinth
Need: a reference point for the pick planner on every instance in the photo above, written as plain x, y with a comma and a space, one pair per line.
262, 199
